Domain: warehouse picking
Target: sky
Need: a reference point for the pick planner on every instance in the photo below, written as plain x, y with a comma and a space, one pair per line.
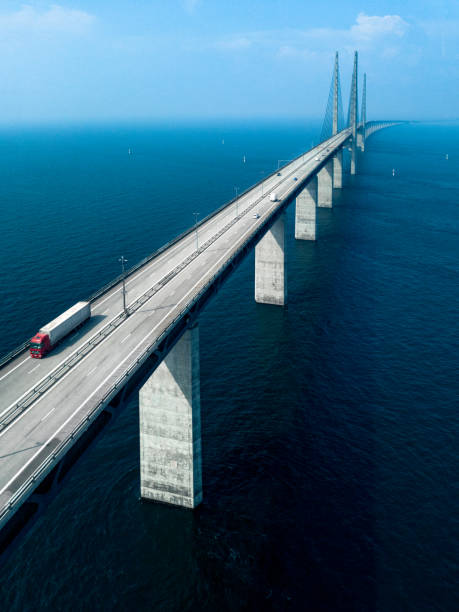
136, 60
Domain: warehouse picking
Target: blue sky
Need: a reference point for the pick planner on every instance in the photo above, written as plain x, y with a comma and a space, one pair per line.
150, 59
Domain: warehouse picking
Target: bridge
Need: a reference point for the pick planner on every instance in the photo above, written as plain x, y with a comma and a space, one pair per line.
51, 408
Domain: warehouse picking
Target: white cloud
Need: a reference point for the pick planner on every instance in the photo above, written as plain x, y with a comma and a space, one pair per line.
371, 27
369, 32
191, 5
56, 19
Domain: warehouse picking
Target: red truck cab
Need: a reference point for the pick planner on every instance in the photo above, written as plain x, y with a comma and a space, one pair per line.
39, 345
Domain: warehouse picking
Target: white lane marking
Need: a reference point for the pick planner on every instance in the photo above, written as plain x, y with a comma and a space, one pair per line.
241, 239
225, 211
33, 369
185, 297
91, 371
48, 374
15, 367
189, 239
157, 260
68, 357
23, 414
47, 414
58, 365
7, 428
124, 339
299, 162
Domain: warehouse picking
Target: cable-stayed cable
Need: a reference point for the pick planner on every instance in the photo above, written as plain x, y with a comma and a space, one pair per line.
327, 125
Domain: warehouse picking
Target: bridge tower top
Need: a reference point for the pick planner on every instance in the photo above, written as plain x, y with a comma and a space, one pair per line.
353, 103
335, 95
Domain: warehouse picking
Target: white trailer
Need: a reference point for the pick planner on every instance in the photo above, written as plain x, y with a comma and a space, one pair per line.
66, 322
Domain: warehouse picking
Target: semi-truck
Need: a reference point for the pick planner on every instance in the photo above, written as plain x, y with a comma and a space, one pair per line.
49, 335
273, 197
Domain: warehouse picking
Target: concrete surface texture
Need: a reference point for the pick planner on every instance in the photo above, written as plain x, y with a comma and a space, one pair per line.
353, 169
338, 170
325, 186
170, 427
270, 266
305, 212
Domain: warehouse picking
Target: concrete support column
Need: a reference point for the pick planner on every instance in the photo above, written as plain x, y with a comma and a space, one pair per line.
305, 212
360, 142
270, 266
353, 158
338, 170
170, 427
325, 186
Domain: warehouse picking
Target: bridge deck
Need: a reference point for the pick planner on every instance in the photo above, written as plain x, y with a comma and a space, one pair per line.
90, 366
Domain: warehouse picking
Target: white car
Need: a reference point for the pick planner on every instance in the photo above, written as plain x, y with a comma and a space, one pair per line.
317, 158
256, 216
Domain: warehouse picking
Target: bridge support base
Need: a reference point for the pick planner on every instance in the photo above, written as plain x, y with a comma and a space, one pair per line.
338, 170
270, 264
325, 186
305, 212
170, 427
353, 159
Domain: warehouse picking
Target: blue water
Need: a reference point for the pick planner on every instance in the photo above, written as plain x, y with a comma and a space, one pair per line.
330, 427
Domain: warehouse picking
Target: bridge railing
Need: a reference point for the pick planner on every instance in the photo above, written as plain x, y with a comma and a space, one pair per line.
59, 451
43, 385
19, 349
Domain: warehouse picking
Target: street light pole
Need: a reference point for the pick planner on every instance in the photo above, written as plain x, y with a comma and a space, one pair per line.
123, 261
196, 214
237, 203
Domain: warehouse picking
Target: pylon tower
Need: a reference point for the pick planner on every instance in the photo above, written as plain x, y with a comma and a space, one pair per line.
353, 112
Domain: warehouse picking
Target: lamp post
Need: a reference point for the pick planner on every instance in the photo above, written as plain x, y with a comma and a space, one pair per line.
123, 273
236, 189
196, 215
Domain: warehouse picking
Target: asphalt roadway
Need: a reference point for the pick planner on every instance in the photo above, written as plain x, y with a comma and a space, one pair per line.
31, 437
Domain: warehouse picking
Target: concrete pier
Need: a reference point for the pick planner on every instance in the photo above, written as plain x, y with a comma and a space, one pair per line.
353, 158
338, 170
170, 427
305, 212
270, 266
325, 186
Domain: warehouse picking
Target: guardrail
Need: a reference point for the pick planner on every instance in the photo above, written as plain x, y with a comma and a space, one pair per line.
19, 349
60, 450
62, 369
